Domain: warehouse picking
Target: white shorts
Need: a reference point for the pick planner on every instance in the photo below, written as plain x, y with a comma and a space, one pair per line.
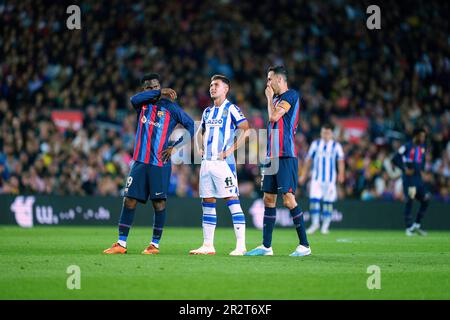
217, 180
325, 191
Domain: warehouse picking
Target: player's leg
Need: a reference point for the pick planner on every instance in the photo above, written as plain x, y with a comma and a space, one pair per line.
136, 189
269, 187
237, 215
287, 178
209, 227
159, 183
330, 197
409, 192
315, 195
209, 221
226, 185
423, 197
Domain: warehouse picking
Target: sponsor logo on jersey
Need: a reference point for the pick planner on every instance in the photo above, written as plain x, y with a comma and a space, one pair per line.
214, 122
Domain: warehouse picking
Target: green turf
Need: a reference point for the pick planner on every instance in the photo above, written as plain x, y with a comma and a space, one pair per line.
33, 264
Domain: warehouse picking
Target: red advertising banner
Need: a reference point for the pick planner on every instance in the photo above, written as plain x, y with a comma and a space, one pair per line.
67, 119
353, 128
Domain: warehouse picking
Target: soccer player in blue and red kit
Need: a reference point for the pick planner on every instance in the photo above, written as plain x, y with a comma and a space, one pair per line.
283, 106
411, 159
158, 115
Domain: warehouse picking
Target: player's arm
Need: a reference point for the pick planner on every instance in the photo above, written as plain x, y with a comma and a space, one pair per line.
186, 121
306, 170
341, 164
149, 96
243, 133
308, 161
275, 113
144, 97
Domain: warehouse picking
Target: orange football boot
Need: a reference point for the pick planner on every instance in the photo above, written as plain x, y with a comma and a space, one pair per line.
151, 249
116, 248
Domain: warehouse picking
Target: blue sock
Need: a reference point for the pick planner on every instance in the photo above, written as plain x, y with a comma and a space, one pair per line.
125, 222
297, 217
270, 215
159, 219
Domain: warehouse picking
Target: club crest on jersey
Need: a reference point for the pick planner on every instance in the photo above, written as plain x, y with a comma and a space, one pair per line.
225, 113
160, 114
143, 119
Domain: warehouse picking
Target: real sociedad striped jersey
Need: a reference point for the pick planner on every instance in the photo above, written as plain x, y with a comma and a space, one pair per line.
281, 134
324, 157
156, 121
219, 125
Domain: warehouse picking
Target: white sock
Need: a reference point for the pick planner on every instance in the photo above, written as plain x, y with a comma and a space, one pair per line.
209, 223
238, 222
122, 243
315, 219
326, 223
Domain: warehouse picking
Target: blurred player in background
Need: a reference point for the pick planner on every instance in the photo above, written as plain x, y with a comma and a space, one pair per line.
218, 179
410, 158
323, 153
150, 173
284, 112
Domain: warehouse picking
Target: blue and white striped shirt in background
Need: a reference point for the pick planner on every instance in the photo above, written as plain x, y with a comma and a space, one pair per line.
324, 158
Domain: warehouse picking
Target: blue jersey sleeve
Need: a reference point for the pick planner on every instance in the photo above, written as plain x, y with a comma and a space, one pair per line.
144, 97
186, 121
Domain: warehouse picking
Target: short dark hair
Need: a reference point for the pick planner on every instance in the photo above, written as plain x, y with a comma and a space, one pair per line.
328, 125
221, 77
419, 130
281, 70
150, 76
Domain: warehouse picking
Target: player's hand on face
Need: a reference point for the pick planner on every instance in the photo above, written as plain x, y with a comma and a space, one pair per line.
269, 93
168, 93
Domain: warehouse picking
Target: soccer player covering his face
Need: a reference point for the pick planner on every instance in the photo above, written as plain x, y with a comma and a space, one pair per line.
218, 179
149, 177
283, 106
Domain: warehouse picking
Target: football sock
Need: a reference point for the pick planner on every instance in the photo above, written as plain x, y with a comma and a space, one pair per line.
209, 222
314, 207
408, 214
270, 215
297, 217
327, 210
125, 222
238, 222
159, 218
423, 207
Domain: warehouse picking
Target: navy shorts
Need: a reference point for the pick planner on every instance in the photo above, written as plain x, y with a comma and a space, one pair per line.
421, 190
146, 180
285, 180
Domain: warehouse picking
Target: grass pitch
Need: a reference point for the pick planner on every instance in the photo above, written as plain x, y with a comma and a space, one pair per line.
33, 264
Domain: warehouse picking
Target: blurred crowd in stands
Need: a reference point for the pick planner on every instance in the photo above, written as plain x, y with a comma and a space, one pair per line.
397, 78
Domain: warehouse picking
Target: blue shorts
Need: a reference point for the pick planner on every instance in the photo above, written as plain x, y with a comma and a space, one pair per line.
414, 181
285, 180
146, 180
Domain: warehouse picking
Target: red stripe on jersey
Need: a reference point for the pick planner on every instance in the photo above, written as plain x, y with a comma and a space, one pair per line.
411, 154
280, 136
138, 145
295, 128
163, 137
150, 131
419, 157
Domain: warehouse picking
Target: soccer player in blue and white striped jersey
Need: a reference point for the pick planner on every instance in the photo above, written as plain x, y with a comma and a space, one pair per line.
218, 177
323, 154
